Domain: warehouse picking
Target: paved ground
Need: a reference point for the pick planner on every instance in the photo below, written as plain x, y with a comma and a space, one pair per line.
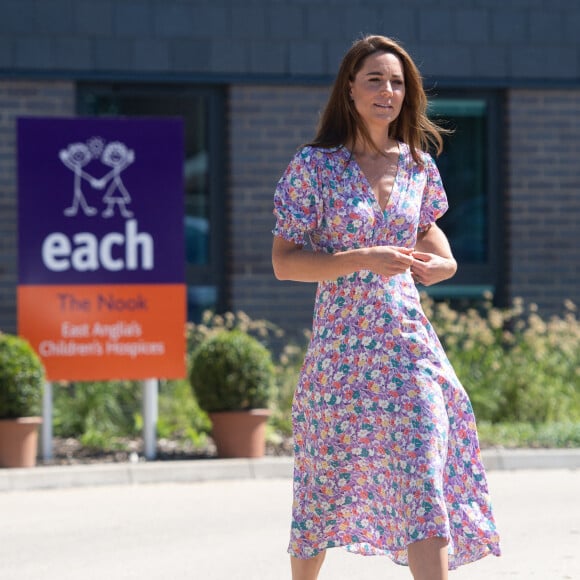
237, 530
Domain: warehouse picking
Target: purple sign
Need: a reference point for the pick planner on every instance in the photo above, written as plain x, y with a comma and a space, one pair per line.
101, 201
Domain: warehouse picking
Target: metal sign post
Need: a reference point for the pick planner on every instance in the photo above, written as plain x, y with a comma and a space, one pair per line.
46, 434
150, 415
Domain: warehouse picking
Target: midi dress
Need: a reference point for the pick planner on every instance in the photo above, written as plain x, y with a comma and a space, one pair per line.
386, 451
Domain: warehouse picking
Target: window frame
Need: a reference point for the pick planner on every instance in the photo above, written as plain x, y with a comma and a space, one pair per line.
473, 280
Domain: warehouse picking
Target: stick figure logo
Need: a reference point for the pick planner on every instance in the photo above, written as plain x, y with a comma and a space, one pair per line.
75, 157
115, 156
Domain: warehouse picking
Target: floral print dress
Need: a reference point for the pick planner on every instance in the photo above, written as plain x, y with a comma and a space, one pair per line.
386, 449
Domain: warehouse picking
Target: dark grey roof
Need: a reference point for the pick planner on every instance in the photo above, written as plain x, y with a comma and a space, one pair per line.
503, 41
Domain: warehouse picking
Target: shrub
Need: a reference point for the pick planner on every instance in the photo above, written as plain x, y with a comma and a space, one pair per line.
98, 413
288, 369
180, 417
264, 331
21, 378
515, 366
231, 370
546, 435
104, 414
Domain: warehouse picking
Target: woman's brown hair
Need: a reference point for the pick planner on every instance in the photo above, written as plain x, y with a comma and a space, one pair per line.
340, 123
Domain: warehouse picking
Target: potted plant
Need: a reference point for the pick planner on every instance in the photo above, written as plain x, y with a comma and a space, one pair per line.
232, 376
21, 384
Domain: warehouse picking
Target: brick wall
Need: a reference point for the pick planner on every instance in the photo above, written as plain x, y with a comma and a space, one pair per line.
266, 125
20, 98
543, 205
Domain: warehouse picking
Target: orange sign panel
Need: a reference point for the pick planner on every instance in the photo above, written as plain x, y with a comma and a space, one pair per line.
102, 332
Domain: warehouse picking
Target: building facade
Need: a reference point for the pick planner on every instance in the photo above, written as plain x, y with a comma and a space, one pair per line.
250, 78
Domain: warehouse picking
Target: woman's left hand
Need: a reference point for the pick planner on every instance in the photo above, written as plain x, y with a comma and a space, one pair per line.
428, 269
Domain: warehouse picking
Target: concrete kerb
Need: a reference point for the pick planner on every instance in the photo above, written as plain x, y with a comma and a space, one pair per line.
205, 470
199, 470
513, 459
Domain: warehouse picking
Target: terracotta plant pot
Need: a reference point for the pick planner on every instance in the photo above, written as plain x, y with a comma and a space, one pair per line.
240, 433
19, 441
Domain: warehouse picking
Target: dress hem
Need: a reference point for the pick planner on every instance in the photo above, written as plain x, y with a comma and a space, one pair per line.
487, 550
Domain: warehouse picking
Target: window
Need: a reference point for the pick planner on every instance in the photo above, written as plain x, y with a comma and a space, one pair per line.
202, 112
469, 167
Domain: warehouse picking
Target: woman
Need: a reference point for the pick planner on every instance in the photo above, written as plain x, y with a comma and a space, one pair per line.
387, 459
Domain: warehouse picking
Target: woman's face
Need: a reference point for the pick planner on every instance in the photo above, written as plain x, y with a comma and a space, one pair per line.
378, 89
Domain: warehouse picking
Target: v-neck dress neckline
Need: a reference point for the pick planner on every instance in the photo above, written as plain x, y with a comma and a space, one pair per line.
375, 199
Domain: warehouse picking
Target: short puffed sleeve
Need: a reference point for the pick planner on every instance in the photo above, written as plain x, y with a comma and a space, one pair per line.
434, 202
297, 199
